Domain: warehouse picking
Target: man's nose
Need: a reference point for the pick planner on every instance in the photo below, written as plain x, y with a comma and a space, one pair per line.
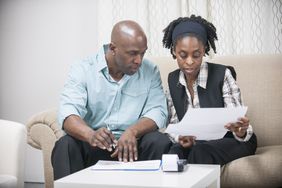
138, 59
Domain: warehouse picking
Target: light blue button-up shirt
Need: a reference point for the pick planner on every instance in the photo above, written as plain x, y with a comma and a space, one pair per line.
91, 93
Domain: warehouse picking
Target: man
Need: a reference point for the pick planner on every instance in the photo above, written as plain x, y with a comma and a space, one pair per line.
111, 106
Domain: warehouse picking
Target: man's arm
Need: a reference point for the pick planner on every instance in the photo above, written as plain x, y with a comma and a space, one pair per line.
156, 105
143, 126
73, 109
76, 127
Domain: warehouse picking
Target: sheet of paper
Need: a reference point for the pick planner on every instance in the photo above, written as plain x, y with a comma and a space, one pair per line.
134, 166
206, 123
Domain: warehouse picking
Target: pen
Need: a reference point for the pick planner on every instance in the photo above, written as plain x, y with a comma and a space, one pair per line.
113, 145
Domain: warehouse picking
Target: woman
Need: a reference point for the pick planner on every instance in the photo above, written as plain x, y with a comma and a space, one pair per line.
198, 84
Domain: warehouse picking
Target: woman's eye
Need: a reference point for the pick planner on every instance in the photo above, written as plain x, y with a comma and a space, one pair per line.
182, 55
197, 55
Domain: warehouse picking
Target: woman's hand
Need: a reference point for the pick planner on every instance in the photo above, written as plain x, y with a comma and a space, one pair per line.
186, 141
240, 127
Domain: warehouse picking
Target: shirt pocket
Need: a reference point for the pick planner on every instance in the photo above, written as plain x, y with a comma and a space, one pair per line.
132, 104
134, 92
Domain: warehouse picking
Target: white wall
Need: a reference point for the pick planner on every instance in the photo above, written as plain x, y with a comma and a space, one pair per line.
39, 39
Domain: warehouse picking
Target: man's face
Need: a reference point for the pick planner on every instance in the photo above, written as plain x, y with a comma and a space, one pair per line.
129, 54
189, 52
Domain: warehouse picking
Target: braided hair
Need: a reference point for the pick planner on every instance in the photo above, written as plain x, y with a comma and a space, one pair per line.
210, 29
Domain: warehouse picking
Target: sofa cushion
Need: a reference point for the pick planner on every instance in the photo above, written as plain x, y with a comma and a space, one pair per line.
260, 170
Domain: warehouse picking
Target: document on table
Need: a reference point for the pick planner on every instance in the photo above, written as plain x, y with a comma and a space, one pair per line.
149, 165
206, 123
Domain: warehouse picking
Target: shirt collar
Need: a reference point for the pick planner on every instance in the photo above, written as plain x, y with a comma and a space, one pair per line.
101, 58
201, 79
102, 65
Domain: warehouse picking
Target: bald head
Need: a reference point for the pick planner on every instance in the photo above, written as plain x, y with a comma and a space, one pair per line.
126, 50
127, 30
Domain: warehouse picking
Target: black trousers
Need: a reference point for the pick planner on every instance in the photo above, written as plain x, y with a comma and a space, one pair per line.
219, 151
71, 155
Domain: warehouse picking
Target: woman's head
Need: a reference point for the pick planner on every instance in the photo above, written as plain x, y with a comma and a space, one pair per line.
190, 26
189, 39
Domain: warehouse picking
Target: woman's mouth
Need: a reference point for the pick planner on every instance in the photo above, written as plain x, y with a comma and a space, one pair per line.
189, 70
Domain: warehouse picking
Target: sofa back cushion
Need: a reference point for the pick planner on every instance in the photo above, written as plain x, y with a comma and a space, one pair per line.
260, 80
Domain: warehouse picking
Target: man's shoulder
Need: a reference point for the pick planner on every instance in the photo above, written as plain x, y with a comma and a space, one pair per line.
93, 59
83, 64
148, 65
91, 62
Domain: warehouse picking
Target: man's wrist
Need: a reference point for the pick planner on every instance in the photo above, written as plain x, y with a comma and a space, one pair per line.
133, 131
89, 136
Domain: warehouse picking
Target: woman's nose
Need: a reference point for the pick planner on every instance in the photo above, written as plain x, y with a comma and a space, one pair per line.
189, 61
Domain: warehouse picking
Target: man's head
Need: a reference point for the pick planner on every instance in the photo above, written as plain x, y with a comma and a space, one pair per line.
127, 48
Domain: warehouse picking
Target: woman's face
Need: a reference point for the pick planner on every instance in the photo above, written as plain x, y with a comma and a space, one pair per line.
189, 52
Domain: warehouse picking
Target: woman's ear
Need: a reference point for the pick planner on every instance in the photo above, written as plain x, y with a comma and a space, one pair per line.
173, 51
205, 49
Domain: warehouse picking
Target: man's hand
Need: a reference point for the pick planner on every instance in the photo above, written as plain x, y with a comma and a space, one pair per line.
240, 127
102, 138
126, 147
186, 141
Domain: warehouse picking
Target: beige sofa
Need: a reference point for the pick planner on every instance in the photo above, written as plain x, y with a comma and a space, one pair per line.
260, 80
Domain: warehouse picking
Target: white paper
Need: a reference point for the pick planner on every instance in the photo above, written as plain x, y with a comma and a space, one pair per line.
136, 165
206, 123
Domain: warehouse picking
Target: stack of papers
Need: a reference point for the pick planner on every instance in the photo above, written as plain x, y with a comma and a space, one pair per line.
149, 165
206, 123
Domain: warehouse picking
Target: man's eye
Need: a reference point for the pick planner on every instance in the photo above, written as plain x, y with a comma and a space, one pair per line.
132, 53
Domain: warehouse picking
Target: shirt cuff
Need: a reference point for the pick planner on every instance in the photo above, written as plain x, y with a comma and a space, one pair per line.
65, 112
248, 135
157, 117
173, 137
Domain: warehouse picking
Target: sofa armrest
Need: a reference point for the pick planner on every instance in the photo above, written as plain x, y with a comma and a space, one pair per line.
46, 118
42, 132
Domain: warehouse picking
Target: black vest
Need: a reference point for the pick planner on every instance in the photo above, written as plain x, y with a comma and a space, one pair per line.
211, 97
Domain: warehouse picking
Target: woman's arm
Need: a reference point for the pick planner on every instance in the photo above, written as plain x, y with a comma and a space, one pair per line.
232, 98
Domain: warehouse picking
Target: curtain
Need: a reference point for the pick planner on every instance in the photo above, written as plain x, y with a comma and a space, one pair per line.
243, 26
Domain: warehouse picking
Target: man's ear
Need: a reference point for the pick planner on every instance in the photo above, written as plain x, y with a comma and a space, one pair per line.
112, 48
